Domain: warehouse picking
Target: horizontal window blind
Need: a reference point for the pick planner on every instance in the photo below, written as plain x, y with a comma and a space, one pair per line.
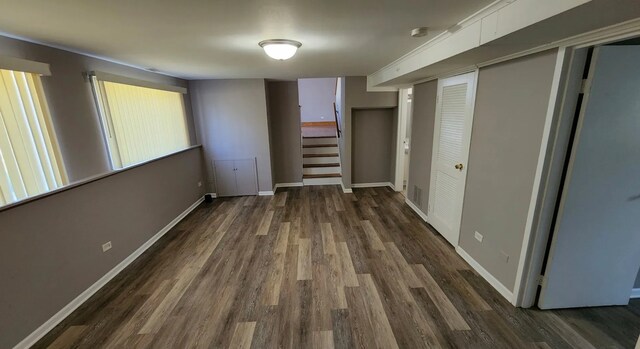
140, 123
30, 162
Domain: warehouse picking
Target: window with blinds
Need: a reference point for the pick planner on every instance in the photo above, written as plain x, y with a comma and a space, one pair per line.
140, 123
30, 162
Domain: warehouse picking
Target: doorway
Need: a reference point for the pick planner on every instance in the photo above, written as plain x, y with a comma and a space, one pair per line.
593, 257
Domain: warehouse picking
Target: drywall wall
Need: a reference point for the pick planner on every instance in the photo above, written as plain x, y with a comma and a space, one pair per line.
316, 98
510, 111
423, 120
373, 145
231, 123
637, 283
72, 106
284, 131
357, 97
50, 260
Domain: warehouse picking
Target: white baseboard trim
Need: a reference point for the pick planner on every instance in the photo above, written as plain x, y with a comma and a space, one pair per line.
346, 190
371, 185
287, 185
635, 293
84, 296
416, 209
213, 195
265, 193
504, 291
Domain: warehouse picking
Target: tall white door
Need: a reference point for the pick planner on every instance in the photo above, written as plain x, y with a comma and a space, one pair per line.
595, 249
452, 136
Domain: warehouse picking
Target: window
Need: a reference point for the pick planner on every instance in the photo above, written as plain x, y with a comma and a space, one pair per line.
140, 123
30, 162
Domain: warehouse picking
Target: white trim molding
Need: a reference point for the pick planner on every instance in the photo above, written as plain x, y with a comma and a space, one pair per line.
213, 195
536, 190
84, 296
346, 190
265, 193
502, 289
416, 209
635, 293
287, 185
372, 185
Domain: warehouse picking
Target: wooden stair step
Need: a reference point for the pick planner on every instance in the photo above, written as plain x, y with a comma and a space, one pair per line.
318, 137
322, 175
329, 155
319, 145
334, 164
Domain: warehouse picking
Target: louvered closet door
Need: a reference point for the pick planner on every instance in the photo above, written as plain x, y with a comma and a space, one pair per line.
452, 135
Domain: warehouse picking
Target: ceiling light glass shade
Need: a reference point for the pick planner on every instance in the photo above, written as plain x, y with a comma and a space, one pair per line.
279, 48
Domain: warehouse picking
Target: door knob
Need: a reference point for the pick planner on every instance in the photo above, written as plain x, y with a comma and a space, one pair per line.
459, 167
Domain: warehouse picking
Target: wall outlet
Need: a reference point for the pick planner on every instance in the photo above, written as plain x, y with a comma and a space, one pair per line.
199, 183
106, 246
478, 236
505, 257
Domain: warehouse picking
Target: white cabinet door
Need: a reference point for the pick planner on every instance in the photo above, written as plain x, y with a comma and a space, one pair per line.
246, 179
225, 177
452, 136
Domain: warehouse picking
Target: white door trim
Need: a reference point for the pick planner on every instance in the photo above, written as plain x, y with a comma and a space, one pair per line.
538, 186
403, 116
472, 79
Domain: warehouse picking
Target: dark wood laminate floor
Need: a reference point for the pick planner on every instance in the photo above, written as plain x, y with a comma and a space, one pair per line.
312, 267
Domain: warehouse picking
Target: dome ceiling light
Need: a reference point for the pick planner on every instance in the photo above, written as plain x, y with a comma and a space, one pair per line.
280, 49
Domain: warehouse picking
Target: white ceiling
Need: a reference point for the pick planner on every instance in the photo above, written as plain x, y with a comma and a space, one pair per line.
199, 39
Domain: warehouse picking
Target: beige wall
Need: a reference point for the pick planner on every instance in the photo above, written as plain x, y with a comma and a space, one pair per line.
511, 107
284, 131
50, 248
356, 96
374, 148
231, 123
423, 120
316, 98
72, 105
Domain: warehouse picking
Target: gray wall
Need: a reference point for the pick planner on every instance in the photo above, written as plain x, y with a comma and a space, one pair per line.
48, 261
423, 120
356, 96
72, 105
231, 123
316, 98
637, 284
373, 145
510, 111
284, 131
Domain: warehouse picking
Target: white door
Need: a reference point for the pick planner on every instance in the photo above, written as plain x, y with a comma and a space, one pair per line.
595, 249
451, 139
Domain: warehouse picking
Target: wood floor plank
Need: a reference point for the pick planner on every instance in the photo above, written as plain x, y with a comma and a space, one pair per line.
382, 331
349, 276
323, 339
328, 243
243, 335
68, 337
304, 259
450, 313
283, 238
314, 267
265, 223
372, 235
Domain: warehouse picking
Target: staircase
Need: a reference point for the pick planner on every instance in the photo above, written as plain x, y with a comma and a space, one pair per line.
320, 160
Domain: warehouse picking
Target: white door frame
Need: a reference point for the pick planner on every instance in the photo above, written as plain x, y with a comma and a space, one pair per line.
403, 116
472, 79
